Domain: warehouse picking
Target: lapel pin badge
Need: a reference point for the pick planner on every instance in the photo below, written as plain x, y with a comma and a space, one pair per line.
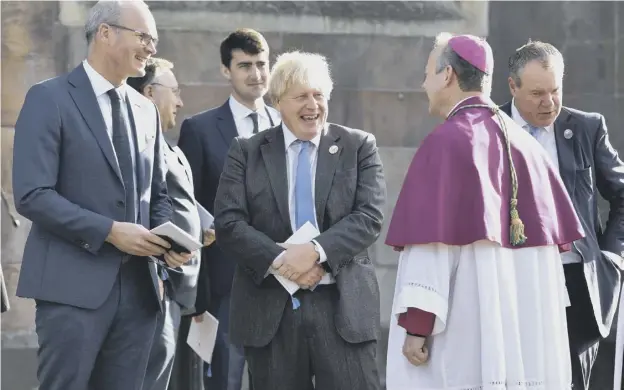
567, 134
333, 149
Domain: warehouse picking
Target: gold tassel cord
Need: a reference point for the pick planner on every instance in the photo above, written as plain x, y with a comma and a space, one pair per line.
516, 226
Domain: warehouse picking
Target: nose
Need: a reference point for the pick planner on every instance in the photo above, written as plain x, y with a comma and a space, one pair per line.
151, 48
179, 102
311, 102
256, 73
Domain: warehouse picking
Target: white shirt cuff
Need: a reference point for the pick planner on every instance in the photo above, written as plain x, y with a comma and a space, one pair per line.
322, 255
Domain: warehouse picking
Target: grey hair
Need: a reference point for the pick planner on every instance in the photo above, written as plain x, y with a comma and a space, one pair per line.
105, 11
545, 53
469, 78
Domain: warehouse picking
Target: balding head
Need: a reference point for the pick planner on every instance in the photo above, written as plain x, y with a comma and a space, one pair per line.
122, 36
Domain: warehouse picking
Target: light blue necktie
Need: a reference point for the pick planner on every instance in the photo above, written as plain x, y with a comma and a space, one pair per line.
304, 198
534, 131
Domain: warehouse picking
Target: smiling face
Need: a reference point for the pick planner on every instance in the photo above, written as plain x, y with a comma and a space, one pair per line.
131, 43
304, 111
248, 74
538, 97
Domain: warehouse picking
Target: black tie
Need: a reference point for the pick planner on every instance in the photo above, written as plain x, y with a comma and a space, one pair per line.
254, 118
121, 143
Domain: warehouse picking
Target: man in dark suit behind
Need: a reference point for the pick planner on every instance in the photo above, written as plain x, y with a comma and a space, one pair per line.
303, 171
173, 364
205, 139
89, 173
579, 146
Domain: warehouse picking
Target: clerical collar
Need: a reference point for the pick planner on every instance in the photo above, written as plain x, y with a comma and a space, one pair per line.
460, 102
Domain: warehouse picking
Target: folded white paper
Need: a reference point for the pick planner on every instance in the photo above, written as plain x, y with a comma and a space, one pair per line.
178, 235
202, 336
205, 217
306, 233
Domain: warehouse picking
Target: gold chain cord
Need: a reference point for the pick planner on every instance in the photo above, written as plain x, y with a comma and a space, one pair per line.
516, 228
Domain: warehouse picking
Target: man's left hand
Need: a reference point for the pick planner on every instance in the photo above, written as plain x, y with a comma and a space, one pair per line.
209, 237
297, 260
311, 278
415, 350
175, 260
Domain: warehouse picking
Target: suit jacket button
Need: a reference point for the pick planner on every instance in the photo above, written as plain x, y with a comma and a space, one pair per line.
120, 203
86, 246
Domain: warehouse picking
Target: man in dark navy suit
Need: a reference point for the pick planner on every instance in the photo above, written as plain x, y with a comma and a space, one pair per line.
579, 146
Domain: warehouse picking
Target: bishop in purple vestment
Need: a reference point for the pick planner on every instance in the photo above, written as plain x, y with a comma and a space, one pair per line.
480, 222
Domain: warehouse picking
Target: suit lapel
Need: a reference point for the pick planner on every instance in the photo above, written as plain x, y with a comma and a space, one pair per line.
565, 149
226, 124
86, 101
274, 156
137, 111
325, 169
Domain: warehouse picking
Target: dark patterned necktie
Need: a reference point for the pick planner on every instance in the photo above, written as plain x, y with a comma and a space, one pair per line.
254, 118
121, 143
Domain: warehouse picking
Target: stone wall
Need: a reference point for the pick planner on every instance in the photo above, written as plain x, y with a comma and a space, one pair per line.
377, 51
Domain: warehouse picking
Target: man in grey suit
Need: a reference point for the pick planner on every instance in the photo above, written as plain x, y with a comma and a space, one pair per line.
160, 85
205, 139
89, 173
303, 171
579, 146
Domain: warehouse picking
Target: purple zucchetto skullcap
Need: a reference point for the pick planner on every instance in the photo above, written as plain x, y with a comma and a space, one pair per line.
474, 50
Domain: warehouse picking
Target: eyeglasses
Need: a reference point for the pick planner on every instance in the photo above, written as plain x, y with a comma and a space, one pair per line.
144, 37
175, 90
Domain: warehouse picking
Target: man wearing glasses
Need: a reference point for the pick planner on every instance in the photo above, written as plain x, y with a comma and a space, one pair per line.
89, 172
160, 85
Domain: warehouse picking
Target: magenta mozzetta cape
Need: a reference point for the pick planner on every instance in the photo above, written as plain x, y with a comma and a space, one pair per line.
458, 187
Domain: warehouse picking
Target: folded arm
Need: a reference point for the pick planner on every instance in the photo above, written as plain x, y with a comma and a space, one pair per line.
36, 162
360, 228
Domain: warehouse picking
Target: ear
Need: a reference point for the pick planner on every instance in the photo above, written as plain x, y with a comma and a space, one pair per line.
148, 91
448, 75
225, 72
105, 32
512, 86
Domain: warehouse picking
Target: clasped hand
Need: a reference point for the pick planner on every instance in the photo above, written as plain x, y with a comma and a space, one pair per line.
299, 264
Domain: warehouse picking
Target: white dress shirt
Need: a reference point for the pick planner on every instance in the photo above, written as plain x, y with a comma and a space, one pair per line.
546, 137
101, 86
292, 153
244, 124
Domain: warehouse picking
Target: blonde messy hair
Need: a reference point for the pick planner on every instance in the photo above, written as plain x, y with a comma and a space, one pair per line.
299, 68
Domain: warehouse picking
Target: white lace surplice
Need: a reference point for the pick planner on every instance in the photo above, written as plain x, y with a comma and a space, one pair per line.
500, 318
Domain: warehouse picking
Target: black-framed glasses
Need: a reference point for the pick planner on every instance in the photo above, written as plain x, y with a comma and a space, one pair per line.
144, 37
175, 90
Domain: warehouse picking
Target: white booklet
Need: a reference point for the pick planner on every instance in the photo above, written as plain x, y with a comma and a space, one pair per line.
178, 235
306, 233
205, 217
202, 336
